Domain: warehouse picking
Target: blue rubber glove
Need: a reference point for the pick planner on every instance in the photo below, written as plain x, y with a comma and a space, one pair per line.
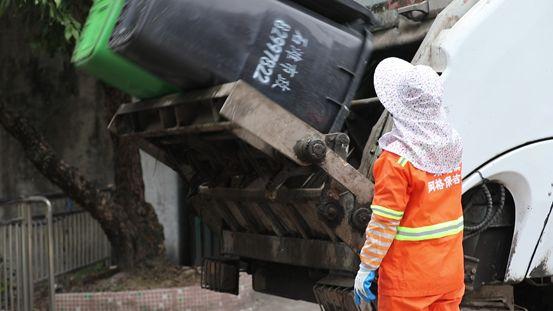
363, 282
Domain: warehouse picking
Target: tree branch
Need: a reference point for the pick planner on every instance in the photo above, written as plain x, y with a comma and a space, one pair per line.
132, 228
46, 160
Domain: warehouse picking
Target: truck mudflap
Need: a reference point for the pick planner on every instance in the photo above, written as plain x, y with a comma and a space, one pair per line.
221, 275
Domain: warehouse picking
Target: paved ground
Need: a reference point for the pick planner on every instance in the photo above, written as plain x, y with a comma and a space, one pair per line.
263, 302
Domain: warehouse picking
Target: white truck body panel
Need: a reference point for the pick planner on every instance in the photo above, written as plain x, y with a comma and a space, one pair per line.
522, 172
498, 77
498, 82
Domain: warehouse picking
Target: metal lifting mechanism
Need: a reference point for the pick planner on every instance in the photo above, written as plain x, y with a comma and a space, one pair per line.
270, 129
339, 192
267, 121
270, 123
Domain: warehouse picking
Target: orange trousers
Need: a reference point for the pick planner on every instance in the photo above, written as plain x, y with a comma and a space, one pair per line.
446, 302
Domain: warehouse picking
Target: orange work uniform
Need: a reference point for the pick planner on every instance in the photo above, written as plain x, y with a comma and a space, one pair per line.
415, 237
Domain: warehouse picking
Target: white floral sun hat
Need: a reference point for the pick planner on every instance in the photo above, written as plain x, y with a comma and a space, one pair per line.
421, 132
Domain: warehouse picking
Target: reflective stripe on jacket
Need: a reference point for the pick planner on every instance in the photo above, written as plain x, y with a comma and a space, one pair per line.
426, 255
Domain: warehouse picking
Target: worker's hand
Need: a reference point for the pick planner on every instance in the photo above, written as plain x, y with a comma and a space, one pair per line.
363, 282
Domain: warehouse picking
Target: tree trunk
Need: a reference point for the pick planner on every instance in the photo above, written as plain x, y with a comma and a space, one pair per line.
42, 80
129, 183
129, 222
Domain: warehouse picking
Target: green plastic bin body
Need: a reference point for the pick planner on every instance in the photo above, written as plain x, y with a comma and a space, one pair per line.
93, 55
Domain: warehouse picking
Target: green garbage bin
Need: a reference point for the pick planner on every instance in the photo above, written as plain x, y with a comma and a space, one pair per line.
93, 55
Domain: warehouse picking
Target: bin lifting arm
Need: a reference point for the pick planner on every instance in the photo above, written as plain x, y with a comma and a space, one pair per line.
267, 121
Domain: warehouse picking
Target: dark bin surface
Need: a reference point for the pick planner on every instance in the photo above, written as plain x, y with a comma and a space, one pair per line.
302, 61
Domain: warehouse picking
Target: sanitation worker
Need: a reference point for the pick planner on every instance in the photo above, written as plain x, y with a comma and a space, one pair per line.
415, 234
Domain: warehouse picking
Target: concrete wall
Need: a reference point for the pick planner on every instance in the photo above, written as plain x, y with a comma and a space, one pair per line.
75, 127
64, 105
162, 190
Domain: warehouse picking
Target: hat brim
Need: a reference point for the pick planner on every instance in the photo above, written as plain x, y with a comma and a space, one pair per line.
387, 79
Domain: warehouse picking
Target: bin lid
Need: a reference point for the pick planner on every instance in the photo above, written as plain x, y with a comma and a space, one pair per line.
93, 30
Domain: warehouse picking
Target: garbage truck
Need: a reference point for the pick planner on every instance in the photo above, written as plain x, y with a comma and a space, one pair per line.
267, 109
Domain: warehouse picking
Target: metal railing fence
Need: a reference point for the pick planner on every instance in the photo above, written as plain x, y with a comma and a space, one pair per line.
37, 247
78, 242
16, 259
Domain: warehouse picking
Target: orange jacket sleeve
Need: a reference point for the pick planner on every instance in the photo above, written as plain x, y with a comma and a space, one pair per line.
391, 194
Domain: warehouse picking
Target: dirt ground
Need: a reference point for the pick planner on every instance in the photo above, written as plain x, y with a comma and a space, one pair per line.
152, 276
103, 278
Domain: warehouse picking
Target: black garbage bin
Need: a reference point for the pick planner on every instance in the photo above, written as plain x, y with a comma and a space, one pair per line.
301, 60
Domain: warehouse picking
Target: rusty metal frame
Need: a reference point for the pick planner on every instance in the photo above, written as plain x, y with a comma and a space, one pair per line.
169, 101
170, 104
241, 113
315, 254
269, 122
254, 118
260, 195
